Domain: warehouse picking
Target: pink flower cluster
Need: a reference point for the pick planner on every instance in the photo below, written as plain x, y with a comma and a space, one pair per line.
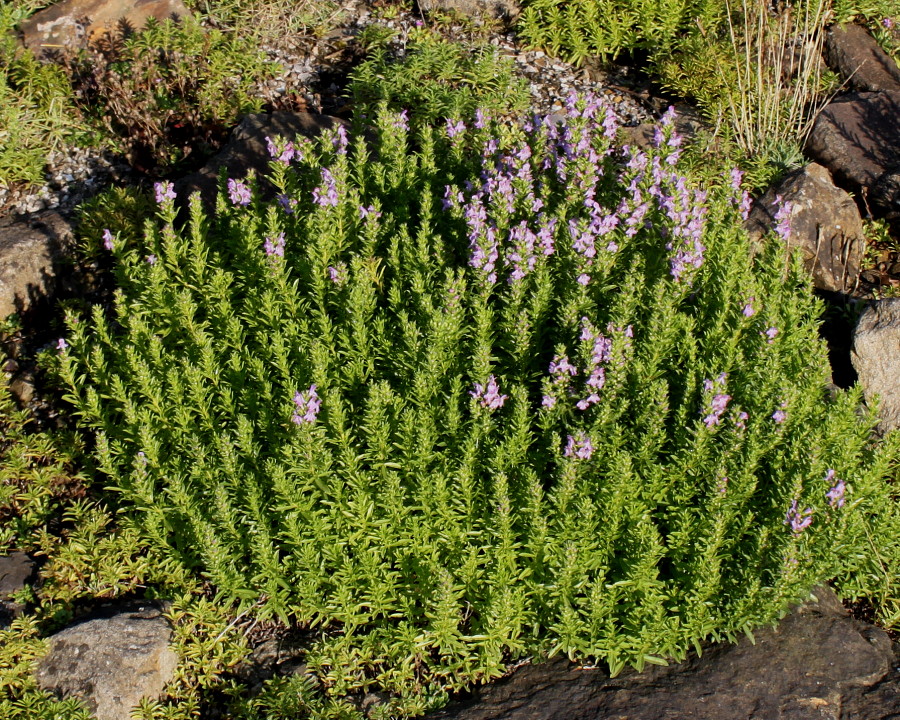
579, 446
489, 394
306, 406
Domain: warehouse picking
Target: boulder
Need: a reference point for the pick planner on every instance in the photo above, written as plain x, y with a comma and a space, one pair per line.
857, 137
854, 55
506, 9
246, 150
73, 24
825, 226
32, 254
16, 570
817, 663
110, 663
876, 358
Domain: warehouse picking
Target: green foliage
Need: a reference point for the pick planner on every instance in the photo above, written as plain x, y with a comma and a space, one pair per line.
872, 570
126, 209
37, 108
317, 431
38, 477
169, 89
758, 78
271, 21
436, 79
579, 29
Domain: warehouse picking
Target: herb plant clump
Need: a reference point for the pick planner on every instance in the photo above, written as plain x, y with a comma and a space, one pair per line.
477, 392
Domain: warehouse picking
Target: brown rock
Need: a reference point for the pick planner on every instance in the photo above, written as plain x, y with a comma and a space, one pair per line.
876, 358
31, 256
72, 24
506, 9
825, 225
857, 137
815, 663
854, 55
246, 150
110, 663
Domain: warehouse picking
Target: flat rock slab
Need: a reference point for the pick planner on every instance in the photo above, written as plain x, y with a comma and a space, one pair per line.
73, 24
825, 226
857, 137
111, 663
31, 254
817, 664
876, 358
854, 55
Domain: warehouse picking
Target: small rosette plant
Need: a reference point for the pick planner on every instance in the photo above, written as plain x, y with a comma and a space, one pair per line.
481, 391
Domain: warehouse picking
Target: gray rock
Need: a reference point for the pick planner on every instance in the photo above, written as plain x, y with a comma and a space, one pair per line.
825, 225
72, 24
815, 664
507, 9
16, 570
246, 150
110, 663
857, 137
876, 358
31, 255
854, 55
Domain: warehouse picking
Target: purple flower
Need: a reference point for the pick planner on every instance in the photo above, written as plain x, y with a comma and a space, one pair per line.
835, 495
401, 121
490, 395
583, 279
164, 191
579, 446
274, 246
151, 259
548, 401
286, 203
454, 128
779, 416
61, 344
340, 140
718, 405
888, 23
770, 334
307, 406
238, 192
719, 401
740, 420
783, 218
749, 310
108, 240
366, 211
283, 155
338, 275
330, 196
560, 367
798, 520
